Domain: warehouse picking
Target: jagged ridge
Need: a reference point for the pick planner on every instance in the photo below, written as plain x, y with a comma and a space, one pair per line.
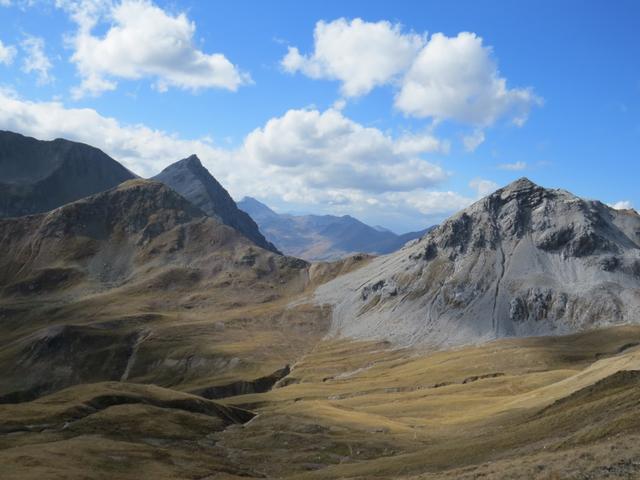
194, 182
524, 260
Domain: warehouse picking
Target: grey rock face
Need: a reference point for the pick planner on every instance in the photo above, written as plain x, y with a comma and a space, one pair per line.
37, 176
323, 237
194, 182
524, 260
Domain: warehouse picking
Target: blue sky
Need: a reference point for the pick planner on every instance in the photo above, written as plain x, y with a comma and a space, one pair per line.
389, 112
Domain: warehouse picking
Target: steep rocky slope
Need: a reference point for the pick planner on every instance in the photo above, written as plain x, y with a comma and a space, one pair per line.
525, 260
323, 237
194, 182
37, 176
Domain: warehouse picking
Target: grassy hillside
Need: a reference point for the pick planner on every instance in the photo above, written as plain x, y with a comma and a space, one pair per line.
524, 408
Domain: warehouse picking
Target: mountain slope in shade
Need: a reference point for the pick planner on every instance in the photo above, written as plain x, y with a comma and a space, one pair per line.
194, 182
37, 176
323, 237
136, 283
524, 260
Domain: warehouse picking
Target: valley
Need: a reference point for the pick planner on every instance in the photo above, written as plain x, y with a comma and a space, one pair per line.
148, 333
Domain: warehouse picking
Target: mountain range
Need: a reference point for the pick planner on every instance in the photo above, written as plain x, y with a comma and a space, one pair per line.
149, 330
323, 237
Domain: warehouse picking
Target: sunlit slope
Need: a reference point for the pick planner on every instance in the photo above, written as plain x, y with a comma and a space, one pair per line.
362, 410
524, 260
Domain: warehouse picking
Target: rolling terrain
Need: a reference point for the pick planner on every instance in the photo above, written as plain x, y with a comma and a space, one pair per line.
137, 284
143, 337
541, 408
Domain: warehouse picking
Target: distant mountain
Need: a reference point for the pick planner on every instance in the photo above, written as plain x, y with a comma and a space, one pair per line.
522, 261
323, 237
38, 176
194, 182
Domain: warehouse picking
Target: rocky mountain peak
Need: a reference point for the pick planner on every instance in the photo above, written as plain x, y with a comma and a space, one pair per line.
524, 260
191, 160
554, 220
193, 181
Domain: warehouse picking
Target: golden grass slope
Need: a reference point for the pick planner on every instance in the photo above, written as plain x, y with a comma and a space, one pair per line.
546, 408
360, 410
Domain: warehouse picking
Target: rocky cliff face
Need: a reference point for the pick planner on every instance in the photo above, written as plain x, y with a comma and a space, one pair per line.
37, 176
525, 260
323, 237
194, 182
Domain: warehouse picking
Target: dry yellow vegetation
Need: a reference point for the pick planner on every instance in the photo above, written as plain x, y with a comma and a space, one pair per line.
553, 407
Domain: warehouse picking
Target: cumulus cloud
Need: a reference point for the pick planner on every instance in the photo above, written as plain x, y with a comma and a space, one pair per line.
7, 53
483, 187
35, 59
317, 161
515, 166
456, 78
441, 77
140, 148
473, 141
142, 41
330, 150
416, 143
431, 202
622, 205
361, 55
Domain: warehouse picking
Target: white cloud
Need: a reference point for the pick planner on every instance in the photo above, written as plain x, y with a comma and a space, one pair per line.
443, 78
516, 166
314, 161
361, 55
622, 205
432, 202
141, 149
457, 78
7, 53
329, 150
5, 3
415, 144
143, 41
483, 187
473, 141
36, 60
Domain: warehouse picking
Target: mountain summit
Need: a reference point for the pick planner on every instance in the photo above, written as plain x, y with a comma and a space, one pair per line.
37, 176
194, 182
524, 260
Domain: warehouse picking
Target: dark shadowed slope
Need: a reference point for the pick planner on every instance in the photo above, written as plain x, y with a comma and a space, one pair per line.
194, 182
323, 237
37, 176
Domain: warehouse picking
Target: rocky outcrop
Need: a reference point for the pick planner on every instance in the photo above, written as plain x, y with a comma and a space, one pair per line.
525, 260
194, 182
38, 176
